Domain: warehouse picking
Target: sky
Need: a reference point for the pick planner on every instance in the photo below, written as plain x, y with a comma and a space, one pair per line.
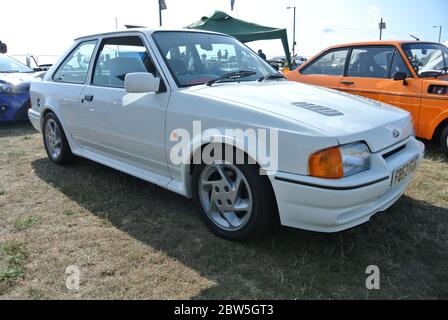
47, 27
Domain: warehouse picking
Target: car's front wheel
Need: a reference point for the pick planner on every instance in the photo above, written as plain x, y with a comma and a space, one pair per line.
55, 141
234, 201
444, 140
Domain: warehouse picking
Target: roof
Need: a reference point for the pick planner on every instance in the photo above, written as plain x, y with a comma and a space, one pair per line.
141, 30
379, 43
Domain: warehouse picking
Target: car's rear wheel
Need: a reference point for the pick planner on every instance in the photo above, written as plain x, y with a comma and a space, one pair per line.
234, 201
55, 141
444, 140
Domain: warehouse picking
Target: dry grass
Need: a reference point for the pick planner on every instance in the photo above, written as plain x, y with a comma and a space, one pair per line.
134, 240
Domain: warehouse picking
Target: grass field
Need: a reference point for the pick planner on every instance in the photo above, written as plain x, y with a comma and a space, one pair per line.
133, 240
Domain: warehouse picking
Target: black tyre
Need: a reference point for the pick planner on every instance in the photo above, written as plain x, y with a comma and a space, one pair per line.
55, 141
444, 140
234, 201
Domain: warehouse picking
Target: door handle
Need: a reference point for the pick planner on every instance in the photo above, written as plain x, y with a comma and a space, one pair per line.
88, 98
348, 83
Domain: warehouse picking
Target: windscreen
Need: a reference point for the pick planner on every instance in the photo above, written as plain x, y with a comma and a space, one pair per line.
9, 65
196, 58
427, 57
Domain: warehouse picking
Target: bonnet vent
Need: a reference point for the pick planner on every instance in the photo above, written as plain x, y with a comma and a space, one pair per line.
319, 109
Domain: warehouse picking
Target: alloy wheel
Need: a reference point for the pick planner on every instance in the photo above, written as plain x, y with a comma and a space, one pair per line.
225, 196
53, 139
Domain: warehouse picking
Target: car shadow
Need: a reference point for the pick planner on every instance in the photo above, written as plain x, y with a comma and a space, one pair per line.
16, 129
434, 152
287, 263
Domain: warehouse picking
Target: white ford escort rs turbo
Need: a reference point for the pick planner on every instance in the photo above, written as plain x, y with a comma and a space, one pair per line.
202, 115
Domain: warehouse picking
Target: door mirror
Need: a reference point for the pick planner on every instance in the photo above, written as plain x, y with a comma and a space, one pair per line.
31, 61
401, 76
141, 82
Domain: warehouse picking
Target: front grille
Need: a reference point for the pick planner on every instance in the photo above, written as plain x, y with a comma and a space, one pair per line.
393, 152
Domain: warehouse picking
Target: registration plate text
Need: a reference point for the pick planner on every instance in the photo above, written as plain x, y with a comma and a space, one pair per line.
404, 172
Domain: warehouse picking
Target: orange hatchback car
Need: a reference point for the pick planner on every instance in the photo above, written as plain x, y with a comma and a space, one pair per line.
409, 75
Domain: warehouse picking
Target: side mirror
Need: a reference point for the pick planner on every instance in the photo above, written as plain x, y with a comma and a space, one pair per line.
401, 76
141, 82
31, 60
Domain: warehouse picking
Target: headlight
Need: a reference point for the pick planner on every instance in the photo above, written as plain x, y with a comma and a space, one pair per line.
339, 162
14, 88
5, 88
356, 158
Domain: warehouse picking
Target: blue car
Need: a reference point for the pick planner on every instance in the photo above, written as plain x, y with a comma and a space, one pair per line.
15, 79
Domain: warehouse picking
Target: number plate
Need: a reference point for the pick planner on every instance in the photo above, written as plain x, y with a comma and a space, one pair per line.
404, 172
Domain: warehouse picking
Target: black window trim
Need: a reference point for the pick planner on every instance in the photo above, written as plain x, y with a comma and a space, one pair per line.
163, 87
347, 62
396, 50
391, 63
69, 54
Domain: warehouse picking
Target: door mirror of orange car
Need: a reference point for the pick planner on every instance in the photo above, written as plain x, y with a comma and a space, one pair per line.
401, 76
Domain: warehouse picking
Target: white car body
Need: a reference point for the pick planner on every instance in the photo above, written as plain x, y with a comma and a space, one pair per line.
131, 132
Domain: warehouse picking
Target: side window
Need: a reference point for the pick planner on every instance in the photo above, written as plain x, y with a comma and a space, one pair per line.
75, 67
370, 62
118, 57
398, 65
331, 64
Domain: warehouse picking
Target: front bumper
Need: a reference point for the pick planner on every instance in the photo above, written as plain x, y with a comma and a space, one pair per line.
14, 107
336, 205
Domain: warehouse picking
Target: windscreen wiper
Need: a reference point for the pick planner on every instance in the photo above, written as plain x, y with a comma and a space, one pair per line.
433, 74
271, 77
232, 76
442, 70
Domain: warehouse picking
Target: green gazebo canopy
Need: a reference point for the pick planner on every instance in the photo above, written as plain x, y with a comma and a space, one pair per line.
244, 31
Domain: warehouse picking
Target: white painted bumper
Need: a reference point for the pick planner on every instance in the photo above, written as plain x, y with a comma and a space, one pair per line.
34, 117
336, 205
